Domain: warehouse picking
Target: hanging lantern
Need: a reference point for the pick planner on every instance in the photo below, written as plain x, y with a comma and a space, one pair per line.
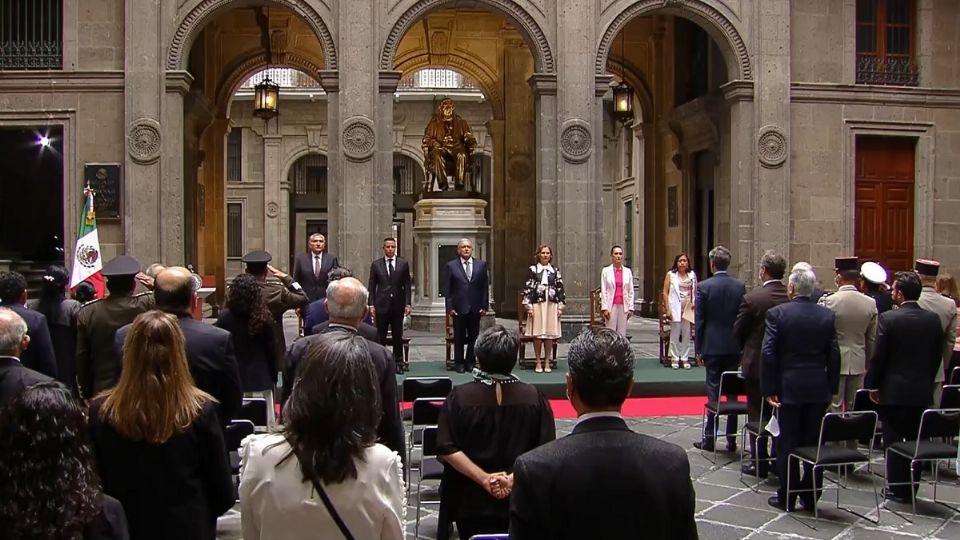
266, 99
623, 102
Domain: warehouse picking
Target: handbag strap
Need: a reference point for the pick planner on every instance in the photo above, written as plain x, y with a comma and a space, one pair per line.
333, 511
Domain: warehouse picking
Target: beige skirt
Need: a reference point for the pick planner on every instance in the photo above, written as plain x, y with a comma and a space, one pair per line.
544, 321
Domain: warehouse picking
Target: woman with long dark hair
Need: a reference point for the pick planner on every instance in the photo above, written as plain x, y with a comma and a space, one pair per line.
158, 440
48, 485
677, 301
249, 322
323, 475
61, 314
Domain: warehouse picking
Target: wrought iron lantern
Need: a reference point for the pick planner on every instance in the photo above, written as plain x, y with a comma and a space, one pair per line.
266, 99
623, 102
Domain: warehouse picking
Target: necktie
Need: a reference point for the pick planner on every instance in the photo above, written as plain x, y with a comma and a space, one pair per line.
316, 266
389, 267
469, 270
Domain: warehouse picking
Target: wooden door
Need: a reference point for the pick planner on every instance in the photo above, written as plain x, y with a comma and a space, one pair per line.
883, 219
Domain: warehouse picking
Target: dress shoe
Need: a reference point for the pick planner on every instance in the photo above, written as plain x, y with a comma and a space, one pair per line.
779, 504
890, 496
750, 470
731, 446
706, 446
458, 368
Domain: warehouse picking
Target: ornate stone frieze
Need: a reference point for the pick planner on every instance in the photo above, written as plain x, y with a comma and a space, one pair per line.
359, 138
143, 141
772, 146
576, 143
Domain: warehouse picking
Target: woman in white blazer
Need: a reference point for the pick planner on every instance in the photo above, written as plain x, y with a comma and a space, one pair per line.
323, 475
677, 299
616, 292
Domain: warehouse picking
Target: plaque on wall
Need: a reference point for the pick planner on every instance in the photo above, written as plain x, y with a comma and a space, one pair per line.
104, 179
672, 210
445, 254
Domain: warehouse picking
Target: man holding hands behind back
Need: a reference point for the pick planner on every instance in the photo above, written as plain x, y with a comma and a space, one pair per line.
389, 288
467, 300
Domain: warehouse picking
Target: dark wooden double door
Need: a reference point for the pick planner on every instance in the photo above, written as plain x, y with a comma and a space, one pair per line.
884, 218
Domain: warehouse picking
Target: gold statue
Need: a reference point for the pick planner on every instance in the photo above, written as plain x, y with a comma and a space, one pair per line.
447, 149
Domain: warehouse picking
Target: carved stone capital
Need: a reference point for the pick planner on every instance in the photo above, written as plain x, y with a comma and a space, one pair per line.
543, 84
388, 81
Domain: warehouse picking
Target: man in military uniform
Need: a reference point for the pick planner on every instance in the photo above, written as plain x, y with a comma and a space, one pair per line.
873, 284
99, 320
855, 319
944, 307
279, 291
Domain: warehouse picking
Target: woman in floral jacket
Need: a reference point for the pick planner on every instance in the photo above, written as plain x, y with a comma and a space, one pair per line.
543, 299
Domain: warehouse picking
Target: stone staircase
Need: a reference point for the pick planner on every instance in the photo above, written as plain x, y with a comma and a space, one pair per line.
31, 270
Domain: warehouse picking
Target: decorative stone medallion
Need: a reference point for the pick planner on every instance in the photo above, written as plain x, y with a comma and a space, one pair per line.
273, 209
359, 138
772, 146
143, 140
576, 143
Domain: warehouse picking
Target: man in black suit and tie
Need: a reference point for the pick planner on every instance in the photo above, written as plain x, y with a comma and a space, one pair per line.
39, 356
718, 300
901, 374
14, 376
467, 300
210, 356
603, 480
749, 329
800, 375
389, 288
310, 269
347, 305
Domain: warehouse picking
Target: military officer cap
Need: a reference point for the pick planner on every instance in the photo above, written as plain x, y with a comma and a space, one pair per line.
257, 257
120, 266
873, 272
845, 263
927, 267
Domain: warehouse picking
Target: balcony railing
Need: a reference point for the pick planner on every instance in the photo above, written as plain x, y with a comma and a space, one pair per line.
31, 34
891, 70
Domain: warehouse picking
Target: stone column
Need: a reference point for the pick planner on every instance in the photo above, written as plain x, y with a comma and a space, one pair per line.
742, 191
498, 237
330, 80
172, 243
544, 86
273, 235
387, 83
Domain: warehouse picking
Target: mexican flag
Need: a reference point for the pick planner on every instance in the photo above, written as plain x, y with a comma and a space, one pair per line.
87, 262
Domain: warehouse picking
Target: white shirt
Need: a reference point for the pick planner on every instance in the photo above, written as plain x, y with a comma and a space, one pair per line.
464, 263
545, 276
601, 414
389, 264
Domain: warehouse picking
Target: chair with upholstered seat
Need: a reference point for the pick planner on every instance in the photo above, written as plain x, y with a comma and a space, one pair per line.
733, 386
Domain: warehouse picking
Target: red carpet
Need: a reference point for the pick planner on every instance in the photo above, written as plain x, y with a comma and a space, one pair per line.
643, 407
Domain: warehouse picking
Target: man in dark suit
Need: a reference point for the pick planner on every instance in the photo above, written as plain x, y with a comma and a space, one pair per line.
310, 269
467, 300
800, 374
603, 480
39, 356
717, 303
389, 287
14, 376
901, 375
210, 355
347, 305
749, 329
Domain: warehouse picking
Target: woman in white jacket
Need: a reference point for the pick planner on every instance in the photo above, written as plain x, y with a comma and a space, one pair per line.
677, 298
616, 292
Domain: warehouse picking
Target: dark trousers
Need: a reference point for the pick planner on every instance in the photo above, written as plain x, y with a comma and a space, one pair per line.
392, 319
466, 328
468, 527
758, 446
900, 423
799, 426
715, 365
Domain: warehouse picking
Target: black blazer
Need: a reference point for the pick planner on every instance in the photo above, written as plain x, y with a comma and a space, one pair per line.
467, 296
256, 355
39, 355
751, 324
15, 377
111, 522
313, 286
390, 430
212, 363
906, 356
801, 357
717, 304
172, 490
389, 292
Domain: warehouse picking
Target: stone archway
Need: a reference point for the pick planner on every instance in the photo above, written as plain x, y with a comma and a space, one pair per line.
196, 18
718, 25
529, 28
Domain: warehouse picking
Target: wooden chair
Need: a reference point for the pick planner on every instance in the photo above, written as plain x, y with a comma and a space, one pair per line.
596, 309
448, 340
524, 362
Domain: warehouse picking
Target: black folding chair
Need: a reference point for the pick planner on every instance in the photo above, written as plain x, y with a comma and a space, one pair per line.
955, 375
732, 385
503, 536
423, 387
943, 424
838, 427
755, 431
236, 431
950, 397
862, 402
254, 410
426, 414
430, 469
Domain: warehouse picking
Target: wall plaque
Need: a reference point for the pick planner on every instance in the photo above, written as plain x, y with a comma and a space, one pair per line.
104, 179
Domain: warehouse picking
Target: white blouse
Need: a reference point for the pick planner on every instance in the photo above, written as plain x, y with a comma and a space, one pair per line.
276, 504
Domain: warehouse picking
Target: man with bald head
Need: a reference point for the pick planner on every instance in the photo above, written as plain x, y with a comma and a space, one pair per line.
346, 301
210, 355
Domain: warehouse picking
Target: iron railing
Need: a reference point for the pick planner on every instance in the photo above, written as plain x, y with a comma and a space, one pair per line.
890, 70
31, 34
234, 230
309, 176
407, 175
234, 154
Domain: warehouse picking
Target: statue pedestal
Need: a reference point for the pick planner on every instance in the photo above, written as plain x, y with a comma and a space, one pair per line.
439, 224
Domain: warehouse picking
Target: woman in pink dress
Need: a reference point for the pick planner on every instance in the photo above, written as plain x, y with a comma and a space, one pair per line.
616, 292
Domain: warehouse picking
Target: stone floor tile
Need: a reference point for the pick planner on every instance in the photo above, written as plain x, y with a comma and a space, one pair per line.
708, 530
